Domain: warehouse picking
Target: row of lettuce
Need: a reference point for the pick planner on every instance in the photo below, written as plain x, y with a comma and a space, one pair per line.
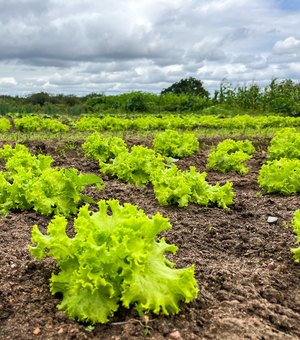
279, 174
29, 124
116, 257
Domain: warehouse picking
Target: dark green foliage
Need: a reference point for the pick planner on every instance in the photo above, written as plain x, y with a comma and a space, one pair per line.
278, 97
136, 103
39, 98
190, 86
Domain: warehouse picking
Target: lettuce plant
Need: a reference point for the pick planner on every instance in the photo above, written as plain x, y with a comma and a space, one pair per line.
173, 186
231, 155
58, 191
89, 124
285, 144
296, 225
102, 148
35, 123
20, 157
31, 183
114, 259
175, 144
28, 124
4, 125
54, 125
134, 167
282, 176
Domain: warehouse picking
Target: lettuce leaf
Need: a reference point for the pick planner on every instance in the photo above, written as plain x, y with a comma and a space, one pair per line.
156, 286
285, 144
102, 148
296, 225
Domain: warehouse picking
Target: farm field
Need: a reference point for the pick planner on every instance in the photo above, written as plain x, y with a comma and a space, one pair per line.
249, 283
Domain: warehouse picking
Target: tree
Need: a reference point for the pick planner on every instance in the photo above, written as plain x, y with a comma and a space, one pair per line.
190, 86
38, 98
136, 102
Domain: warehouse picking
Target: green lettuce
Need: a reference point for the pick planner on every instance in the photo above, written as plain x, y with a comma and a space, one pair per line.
136, 166
282, 176
296, 225
102, 148
174, 186
5, 125
175, 144
114, 259
171, 187
231, 155
35, 123
31, 183
58, 191
285, 144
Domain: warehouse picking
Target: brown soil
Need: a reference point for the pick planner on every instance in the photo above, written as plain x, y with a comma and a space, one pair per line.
249, 283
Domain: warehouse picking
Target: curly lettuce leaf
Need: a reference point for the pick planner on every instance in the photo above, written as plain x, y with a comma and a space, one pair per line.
285, 144
171, 187
157, 286
58, 191
20, 157
296, 225
31, 183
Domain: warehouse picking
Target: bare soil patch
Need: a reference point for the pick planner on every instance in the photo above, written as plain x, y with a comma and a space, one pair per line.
249, 283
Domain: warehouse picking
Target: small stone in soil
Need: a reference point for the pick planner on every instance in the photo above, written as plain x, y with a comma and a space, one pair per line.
272, 219
175, 335
36, 331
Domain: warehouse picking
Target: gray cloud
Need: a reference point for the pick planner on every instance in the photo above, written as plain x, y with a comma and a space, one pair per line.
76, 46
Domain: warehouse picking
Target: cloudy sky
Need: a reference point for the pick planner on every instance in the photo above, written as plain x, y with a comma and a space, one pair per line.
114, 46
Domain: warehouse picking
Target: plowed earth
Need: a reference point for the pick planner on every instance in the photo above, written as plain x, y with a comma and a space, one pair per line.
249, 283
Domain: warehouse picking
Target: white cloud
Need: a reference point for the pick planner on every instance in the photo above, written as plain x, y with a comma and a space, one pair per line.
8, 81
289, 45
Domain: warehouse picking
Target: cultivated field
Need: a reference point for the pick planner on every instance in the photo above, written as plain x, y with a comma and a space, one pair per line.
249, 283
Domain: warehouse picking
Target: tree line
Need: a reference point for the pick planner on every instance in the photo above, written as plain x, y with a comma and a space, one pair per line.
186, 95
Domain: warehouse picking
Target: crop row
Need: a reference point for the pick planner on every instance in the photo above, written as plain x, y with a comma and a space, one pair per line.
146, 123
